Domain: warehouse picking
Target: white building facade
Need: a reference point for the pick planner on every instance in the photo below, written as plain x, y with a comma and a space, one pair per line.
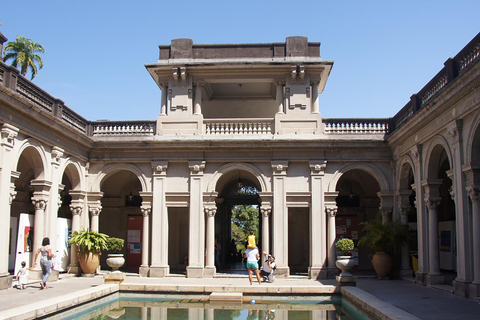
248, 115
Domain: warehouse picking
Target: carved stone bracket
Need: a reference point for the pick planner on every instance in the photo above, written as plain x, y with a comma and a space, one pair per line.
279, 167
160, 168
9, 133
180, 74
318, 167
57, 154
196, 167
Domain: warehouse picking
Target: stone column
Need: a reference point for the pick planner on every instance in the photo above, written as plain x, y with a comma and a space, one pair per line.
473, 193
318, 220
422, 226
146, 209
404, 207
432, 201
462, 221
159, 267
315, 107
40, 199
279, 96
280, 218
196, 247
7, 194
210, 211
163, 108
54, 202
265, 211
331, 212
198, 98
74, 267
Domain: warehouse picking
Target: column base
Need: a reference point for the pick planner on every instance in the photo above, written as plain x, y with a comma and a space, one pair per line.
5, 281
421, 279
461, 288
195, 272
406, 273
144, 271
332, 273
346, 281
209, 272
37, 275
435, 279
158, 272
317, 273
282, 272
74, 270
474, 290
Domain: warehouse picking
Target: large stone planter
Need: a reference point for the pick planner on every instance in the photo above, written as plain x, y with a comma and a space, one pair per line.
345, 264
115, 261
89, 262
383, 264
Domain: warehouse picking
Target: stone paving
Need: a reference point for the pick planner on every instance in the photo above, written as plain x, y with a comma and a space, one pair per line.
388, 299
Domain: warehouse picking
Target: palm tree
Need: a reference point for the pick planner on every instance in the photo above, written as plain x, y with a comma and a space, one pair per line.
24, 54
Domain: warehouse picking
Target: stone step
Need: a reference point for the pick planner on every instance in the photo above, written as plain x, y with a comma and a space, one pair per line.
226, 297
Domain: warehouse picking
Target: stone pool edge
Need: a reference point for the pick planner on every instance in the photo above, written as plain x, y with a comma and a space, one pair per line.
57, 304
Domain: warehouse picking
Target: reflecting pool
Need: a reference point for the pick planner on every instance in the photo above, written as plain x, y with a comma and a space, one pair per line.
196, 307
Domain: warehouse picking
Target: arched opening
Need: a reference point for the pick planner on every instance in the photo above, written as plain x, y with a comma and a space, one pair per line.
121, 216
22, 214
357, 202
237, 215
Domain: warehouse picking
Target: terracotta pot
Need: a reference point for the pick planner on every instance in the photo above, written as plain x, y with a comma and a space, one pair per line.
345, 263
89, 262
115, 260
382, 263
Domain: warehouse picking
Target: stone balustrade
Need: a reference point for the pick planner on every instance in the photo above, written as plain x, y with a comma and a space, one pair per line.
356, 126
123, 128
238, 126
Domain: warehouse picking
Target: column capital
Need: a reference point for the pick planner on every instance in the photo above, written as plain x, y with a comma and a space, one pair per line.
266, 211
432, 202
473, 193
146, 211
210, 211
416, 152
95, 210
279, 167
318, 167
196, 167
76, 209
331, 211
39, 204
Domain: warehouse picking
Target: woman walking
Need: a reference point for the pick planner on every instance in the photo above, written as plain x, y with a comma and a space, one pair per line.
45, 261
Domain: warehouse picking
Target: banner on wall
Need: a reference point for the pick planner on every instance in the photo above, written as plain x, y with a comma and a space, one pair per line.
24, 241
12, 243
62, 251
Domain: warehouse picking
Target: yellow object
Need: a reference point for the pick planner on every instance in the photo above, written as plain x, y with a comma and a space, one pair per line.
414, 262
251, 241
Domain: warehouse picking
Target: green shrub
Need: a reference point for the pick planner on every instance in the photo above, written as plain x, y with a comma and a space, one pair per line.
345, 246
115, 245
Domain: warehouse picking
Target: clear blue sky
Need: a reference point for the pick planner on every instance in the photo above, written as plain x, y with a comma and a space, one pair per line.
383, 51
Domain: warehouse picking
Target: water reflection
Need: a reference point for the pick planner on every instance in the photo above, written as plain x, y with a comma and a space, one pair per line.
195, 310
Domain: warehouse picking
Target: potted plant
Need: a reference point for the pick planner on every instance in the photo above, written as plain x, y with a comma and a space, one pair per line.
89, 248
345, 261
384, 238
115, 257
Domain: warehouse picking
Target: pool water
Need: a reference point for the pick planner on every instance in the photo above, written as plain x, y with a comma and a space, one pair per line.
173, 307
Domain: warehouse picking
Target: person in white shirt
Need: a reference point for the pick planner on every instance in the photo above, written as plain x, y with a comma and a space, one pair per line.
252, 256
268, 267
